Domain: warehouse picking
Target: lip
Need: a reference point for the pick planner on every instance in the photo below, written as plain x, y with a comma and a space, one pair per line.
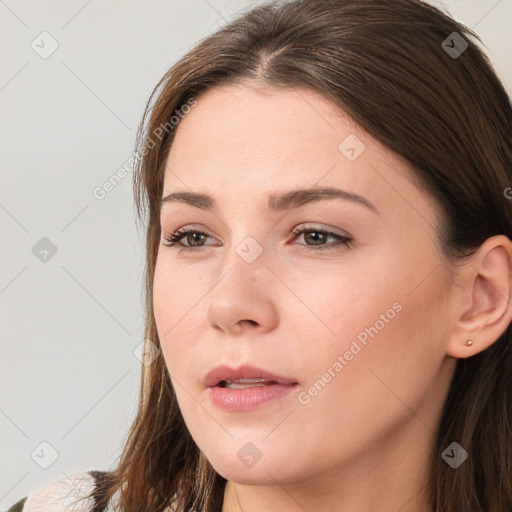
250, 397
245, 371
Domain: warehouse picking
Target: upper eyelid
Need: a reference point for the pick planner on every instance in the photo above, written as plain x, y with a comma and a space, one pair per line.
305, 226
297, 231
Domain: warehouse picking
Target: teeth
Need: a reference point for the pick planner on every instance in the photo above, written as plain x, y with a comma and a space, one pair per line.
240, 385
245, 383
257, 379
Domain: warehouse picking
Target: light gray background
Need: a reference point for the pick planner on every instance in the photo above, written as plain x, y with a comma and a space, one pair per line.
69, 326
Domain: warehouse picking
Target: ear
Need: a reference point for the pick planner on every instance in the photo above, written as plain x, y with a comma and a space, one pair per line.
483, 310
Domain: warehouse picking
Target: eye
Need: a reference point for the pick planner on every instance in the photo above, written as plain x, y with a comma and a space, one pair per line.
315, 235
175, 238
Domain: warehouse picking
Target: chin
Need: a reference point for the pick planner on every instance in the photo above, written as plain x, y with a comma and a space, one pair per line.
260, 474
253, 464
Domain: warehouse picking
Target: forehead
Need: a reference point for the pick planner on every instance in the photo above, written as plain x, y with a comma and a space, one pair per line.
239, 132
240, 144
240, 120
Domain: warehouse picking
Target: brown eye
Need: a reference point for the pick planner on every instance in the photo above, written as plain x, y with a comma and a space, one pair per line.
192, 236
316, 237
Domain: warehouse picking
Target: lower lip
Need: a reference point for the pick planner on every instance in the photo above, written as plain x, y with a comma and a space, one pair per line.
248, 398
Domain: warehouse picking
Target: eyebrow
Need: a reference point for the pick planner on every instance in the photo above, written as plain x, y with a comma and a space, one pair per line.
277, 202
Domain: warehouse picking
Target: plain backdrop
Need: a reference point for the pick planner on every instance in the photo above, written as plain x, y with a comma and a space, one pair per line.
74, 79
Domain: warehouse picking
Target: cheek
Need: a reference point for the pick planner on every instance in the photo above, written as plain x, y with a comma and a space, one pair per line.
372, 319
384, 357
333, 304
178, 311
179, 317
357, 319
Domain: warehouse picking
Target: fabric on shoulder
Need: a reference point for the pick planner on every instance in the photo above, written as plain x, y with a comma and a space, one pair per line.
65, 495
18, 506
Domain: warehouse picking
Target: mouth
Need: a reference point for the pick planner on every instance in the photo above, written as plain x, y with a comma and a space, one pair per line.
246, 387
245, 383
243, 377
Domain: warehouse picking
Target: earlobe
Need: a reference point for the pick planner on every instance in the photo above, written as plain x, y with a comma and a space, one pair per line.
486, 287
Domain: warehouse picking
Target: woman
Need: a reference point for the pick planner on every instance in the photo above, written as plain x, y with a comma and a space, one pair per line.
325, 185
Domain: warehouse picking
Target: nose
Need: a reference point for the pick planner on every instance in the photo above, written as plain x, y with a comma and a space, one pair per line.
244, 298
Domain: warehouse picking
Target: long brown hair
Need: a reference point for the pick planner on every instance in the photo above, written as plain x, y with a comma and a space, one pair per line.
432, 97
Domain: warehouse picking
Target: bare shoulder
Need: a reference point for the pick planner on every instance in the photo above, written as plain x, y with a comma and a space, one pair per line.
64, 495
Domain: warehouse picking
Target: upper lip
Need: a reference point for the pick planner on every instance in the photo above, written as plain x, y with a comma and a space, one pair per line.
246, 371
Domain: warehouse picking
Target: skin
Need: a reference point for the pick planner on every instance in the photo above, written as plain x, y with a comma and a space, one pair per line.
362, 442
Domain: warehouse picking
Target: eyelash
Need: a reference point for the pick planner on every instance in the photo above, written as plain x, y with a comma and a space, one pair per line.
174, 239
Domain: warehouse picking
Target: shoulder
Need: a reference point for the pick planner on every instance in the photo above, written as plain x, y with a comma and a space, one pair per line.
64, 495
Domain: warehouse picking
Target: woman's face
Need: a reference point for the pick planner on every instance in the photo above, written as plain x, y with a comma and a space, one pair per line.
356, 331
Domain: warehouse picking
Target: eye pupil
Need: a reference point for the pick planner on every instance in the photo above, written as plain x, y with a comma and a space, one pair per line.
194, 235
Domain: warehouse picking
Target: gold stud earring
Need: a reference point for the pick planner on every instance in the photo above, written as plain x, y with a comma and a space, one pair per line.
469, 343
